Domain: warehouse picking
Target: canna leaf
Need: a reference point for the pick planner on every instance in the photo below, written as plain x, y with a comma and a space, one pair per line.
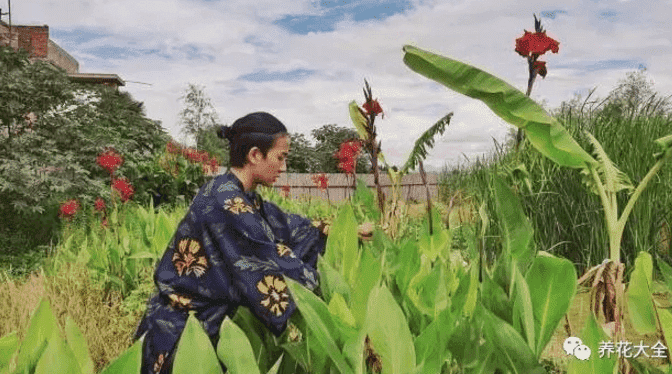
129, 361
238, 360
388, 330
358, 119
552, 284
9, 344
57, 358
342, 242
592, 336
320, 322
640, 303
42, 326
517, 230
523, 313
366, 280
339, 308
79, 347
507, 102
331, 281
195, 346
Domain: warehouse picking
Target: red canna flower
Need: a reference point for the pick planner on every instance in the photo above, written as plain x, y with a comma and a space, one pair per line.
540, 67
285, 190
347, 155
372, 107
69, 209
110, 160
172, 148
124, 188
536, 43
104, 223
321, 181
100, 204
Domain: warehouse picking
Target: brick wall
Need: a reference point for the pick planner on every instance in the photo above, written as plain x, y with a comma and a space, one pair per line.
34, 39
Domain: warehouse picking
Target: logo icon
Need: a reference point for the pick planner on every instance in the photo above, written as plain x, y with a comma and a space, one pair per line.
575, 347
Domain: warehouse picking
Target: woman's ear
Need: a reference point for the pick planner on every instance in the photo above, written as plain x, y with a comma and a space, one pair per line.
254, 156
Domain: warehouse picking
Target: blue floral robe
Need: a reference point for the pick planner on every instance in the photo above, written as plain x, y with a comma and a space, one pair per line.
231, 249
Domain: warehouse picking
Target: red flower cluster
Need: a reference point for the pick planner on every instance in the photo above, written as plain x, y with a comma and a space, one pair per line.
210, 164
69, 209
110, 160
347, 155
285, 190
536, 43
124, 188
321, 181
372, 107
100, 204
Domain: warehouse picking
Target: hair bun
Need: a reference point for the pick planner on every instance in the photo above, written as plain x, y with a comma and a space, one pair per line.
225, 132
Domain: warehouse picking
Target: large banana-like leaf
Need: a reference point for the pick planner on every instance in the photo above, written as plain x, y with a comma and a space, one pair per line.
513, 106
613, 179
358, 120
425, 141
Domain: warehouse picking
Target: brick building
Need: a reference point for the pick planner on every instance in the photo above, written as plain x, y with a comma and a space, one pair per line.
35, 40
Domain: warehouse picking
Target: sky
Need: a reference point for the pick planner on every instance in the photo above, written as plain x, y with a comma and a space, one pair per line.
304, 61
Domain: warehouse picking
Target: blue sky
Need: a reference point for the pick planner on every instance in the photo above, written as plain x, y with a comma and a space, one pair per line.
304, 61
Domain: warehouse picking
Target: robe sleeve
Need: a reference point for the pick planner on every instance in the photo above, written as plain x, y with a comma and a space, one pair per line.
258, 261
306, 240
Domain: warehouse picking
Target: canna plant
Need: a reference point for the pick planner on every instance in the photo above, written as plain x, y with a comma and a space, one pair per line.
532, 46
552, 140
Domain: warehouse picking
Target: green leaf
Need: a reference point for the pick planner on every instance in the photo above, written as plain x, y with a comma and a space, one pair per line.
523, 313
9, 344
79, 346
666, 323
612, 179
365, 281
437, 244
339, 308
320, 322
331, 281
514, 354
426, 140
254, 331
42, 326
640, 303
364, 196
507, 102
592, 336
238, 360
342, 242
431, 345
195, 346
130, 361
666, 270
517, 230
410, 264
665, 144
358, 120
274, 369
388, 331
57, 358
552, 284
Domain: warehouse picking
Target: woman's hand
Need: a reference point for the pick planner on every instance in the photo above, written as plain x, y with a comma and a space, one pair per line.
365, 231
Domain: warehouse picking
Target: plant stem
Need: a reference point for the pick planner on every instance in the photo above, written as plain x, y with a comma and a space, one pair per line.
429, 201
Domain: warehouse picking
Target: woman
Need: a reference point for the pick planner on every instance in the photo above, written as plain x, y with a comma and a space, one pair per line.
232, 248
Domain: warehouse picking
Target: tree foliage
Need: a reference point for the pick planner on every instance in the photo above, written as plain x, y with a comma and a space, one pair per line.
198, 113
329, 137
53, 129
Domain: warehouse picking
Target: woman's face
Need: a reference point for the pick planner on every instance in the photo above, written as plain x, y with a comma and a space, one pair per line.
269, 169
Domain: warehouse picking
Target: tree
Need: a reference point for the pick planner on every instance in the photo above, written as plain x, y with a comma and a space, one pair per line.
329, 138
51, 154
302, 156
210, 142
198, 113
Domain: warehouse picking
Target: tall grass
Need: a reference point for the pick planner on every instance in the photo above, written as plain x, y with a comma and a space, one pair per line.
567, 218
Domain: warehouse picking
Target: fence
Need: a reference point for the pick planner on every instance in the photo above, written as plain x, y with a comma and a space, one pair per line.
340, 186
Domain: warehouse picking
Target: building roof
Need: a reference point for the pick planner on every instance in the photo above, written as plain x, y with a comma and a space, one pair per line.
97, 78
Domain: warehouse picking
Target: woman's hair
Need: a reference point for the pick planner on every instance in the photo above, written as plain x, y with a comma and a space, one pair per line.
258, 129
